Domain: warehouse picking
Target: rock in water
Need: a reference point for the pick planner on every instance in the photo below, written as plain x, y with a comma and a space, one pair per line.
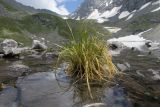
10, 43
18, 69
148, 44
9, 48
122, 67
114, 45
38, 45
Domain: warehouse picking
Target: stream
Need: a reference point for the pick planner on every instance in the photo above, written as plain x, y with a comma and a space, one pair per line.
35, 83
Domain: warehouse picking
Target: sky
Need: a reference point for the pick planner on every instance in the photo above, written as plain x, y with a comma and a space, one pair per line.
63, 7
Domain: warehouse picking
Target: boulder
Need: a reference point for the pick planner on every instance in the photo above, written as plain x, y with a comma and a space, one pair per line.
9, 48
114, 45
10, 43
148, 44
38, 45
50, 55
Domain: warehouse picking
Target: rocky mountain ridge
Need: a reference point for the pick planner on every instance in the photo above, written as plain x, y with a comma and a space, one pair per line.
113, 10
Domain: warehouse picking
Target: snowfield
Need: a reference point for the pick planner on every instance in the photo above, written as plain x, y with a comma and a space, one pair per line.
111, 13
130, 41
136, 41
101, 17
155, 3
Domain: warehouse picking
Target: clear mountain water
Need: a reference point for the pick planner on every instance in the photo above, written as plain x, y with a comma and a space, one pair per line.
137, 87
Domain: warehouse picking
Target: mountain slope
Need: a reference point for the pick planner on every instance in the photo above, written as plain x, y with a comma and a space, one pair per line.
153, 34
113, 10
130, 16
24, 24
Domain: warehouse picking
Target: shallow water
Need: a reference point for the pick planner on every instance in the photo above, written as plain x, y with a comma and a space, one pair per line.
138, 87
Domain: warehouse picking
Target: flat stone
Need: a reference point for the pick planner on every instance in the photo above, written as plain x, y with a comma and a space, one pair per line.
8, 97
122, 67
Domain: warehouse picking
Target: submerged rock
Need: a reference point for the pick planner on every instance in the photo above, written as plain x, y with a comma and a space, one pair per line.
123, 67
50, 55
49, 91
18, 69
8, 97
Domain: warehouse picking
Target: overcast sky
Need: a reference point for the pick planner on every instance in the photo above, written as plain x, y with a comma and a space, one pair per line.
62, 7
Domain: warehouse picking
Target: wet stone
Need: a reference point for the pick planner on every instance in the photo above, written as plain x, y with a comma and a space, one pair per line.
8, 97
122, 67
18, 69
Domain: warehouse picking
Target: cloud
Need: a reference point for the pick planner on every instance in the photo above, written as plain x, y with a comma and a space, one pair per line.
62, 1
57, 6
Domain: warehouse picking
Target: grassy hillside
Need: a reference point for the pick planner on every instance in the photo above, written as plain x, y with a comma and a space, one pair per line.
43, 23
40, 22
7, 6
11, 28
21, 26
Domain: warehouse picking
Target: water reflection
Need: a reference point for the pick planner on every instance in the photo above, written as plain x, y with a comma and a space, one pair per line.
103, 94
46, 89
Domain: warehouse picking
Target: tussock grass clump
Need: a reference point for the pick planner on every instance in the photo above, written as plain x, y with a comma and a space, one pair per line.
88, 59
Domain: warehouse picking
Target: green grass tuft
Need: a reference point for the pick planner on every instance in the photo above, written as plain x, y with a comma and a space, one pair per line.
88, 59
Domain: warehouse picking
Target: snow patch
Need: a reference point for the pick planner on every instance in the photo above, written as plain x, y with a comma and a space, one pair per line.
124, 14
155, 3
145, 5
156, 9
113, 29
111, 13
101, 20
130, 41
78, 18
108, 3
104, 16
94, 15
65, 17
130, 16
